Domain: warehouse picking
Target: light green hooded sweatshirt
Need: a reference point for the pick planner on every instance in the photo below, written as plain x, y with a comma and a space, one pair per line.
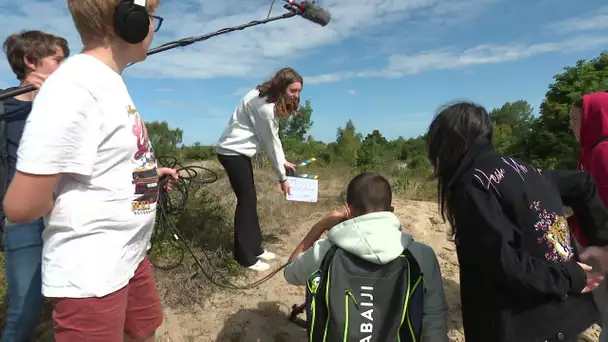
378, 238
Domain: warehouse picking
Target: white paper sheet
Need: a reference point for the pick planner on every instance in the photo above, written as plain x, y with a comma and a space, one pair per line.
303, 189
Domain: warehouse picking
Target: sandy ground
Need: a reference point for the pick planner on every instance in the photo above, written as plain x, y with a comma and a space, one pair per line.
260, 314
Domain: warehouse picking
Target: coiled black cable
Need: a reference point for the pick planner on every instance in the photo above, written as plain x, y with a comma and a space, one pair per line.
175, 203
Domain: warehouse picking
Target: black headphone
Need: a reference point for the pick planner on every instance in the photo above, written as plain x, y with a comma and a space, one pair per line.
131, 21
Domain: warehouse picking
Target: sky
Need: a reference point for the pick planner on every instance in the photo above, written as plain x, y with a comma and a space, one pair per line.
385, 64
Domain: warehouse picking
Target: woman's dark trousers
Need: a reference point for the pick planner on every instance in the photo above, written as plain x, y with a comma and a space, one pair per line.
247, 233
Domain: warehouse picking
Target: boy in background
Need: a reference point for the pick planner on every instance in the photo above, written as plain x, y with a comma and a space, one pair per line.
370, 232
33, 56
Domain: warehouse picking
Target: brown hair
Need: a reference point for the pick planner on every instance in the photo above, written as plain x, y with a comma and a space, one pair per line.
33, 45
94, 19
274, 90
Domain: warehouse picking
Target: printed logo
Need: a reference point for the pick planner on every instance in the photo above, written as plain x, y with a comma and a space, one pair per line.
314, 284
145, 176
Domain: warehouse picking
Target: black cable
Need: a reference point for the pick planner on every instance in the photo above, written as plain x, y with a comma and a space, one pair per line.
293, 316
270, 9
165, 229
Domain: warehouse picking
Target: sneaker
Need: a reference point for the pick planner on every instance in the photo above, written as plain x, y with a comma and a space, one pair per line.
259, 266
266, 256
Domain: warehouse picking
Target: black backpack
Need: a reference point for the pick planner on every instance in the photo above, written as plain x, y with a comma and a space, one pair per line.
349, 299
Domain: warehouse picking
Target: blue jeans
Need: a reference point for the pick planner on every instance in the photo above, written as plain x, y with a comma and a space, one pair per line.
22, 257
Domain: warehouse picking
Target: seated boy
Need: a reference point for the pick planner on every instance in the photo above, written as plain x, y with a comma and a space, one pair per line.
368, 286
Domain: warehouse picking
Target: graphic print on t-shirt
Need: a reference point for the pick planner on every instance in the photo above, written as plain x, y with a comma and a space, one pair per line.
145, 176
554, 234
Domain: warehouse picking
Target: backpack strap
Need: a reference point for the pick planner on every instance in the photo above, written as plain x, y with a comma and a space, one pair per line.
3, 170
3, 152
317, 308
327, 259
415, 308
415, 269
3, 133
413, 262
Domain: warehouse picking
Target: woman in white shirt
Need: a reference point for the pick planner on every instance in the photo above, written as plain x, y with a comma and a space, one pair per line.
255, 125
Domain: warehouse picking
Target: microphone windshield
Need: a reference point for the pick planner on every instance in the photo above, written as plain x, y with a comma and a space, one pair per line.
315, 13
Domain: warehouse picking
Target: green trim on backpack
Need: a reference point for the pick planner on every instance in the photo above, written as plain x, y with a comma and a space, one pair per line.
410, 289
313, 284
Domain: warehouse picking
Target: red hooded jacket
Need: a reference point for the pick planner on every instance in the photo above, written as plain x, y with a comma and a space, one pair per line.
593, 157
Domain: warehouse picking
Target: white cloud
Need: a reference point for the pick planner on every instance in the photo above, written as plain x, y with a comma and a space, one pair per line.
327, 78
352, 92
593, 21
201, 110
253, 52
597, 22
171, 104
400, 65
241, 91
259, 51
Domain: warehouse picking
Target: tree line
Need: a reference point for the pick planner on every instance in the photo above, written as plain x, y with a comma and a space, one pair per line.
544, 139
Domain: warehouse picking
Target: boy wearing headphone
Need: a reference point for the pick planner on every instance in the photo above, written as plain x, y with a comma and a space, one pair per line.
80, 162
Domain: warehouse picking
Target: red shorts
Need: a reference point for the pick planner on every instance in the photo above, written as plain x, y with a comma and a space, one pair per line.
134, 310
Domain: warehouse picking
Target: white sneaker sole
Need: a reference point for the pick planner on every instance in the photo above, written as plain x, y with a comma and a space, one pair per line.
267, 256
259, 266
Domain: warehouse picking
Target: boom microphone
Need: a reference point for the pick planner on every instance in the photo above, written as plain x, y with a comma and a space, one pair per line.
16, 92
309, 10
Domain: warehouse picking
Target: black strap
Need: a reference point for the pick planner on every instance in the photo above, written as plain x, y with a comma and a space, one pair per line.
3, 169
3, 133
327, 259
3, 152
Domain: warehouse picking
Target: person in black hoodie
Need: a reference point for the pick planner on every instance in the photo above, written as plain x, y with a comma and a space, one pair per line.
519, 276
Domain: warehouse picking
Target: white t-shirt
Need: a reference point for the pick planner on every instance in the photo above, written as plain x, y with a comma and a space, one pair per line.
253, 126
84, 125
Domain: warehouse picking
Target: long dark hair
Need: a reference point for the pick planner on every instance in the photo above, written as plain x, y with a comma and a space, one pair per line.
454, 130
274, 90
